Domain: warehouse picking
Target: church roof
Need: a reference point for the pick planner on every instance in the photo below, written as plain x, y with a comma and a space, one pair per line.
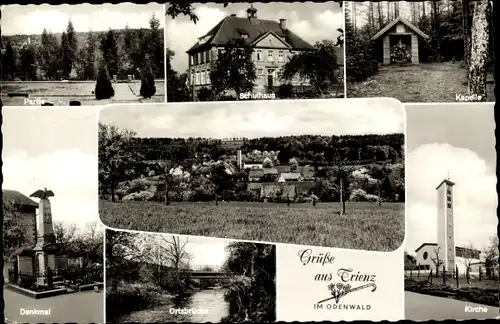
232, 27
17, 198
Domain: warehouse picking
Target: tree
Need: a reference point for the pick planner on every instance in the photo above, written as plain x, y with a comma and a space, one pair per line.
479, 49
8, 62
148, 88
267, 163
103, 87
436, 259
48, 58
175, 252
491, 256
89, 55
65, 236
177, 89
318, 66
155, 48
28, 63
233, 69
14, 233
174, 9
71, 46
469, 256
109, 51
117, 156
466, 32
409, 261
66, 56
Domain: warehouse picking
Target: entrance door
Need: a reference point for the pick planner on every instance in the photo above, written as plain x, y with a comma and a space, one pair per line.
270, 79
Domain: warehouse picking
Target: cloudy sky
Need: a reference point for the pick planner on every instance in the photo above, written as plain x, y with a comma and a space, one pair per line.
54, 148
202, 251
258, 118
32, 19
311, 21
459, 140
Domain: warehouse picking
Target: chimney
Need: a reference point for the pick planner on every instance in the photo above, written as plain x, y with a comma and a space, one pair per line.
240, 164
283, 24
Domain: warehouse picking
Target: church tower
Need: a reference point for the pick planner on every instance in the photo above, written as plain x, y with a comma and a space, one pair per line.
446, 223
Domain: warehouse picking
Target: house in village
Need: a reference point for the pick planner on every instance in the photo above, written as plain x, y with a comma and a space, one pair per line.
273, 43
41, 250
399, 42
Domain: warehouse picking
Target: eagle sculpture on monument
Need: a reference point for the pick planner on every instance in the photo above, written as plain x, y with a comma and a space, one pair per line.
42, 194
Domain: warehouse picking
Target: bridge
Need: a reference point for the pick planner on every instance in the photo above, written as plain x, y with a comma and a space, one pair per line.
207, 275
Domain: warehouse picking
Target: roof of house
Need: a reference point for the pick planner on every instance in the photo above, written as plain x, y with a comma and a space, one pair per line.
307, 172
270, 171
290, 175
17, 198
394, 22
254, 186
425, 244
283, 168
256, 173
232, 27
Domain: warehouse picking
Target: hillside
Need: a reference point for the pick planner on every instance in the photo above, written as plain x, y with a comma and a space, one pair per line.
35, 39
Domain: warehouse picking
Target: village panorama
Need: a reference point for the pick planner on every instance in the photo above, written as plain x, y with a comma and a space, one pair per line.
345, 191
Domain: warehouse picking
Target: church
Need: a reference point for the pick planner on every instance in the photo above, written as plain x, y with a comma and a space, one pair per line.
444, 252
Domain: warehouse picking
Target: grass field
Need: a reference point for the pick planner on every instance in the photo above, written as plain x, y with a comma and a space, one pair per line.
424, 82
61, 93
366, 226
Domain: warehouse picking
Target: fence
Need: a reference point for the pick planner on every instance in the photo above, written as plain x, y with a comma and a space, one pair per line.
454, 277
71, 275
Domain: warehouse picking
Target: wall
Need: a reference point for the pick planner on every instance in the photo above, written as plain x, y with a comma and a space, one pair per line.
25, 264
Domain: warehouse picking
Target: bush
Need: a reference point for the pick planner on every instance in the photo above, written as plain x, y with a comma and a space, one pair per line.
129, 299
103, 86
148, 88
139, 196
361, 195
205, 94
285, 91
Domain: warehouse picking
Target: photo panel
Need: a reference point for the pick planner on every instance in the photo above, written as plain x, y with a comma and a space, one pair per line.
53, 239
315, 172
451, 246
82, 55
420, 51
153, 277
254, 51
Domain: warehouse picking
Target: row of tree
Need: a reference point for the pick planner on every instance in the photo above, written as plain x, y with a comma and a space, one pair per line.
458, 31
70, 56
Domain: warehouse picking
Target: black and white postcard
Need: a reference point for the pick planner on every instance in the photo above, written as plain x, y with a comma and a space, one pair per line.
451, 247
420, 51
252, 51
71, 55
180, 279
315, 172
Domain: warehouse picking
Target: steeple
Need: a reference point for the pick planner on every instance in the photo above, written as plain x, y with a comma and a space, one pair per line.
251, 12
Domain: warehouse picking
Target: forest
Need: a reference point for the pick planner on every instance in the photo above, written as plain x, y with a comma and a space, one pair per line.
458, 32
71, 55
165, 169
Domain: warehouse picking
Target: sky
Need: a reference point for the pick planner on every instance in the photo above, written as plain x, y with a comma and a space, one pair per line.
32, 19
54, 148
252, 119
457, 140
310, 21
201, 250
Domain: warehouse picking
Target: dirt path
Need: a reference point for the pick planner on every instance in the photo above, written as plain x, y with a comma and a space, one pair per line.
424, 82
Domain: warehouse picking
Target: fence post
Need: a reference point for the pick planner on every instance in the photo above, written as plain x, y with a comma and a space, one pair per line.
430, 277
456, 276
479, 273
444, 276
411, 271
467, 274
418, 271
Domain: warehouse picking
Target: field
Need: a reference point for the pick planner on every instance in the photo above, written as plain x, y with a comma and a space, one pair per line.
61, 93
424, 82
366, 226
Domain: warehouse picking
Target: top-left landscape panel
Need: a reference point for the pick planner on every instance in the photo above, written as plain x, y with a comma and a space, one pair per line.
72, 55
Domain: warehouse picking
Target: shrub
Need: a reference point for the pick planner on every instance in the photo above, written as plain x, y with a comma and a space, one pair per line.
148, 88
361, 195
103, 86
285, 91
129, 299
205, 94
139, 196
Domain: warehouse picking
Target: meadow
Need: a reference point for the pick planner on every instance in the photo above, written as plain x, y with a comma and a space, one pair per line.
365, 226
61, 93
